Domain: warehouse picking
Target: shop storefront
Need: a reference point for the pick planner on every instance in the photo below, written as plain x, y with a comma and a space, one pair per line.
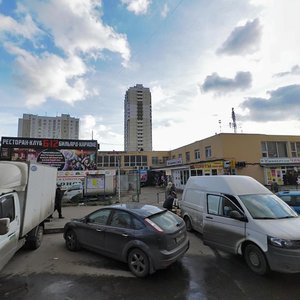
210, 168
285, 171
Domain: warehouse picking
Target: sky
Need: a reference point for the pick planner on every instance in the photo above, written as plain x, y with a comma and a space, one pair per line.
199, 58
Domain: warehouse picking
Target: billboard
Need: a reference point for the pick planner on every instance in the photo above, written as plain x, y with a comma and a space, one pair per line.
65, 155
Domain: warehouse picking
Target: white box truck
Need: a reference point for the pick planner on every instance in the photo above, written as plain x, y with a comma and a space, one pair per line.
27, 197
239, 215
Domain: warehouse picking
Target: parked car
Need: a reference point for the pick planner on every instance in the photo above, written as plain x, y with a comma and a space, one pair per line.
292, 198
239, 215
146, 237
73, 193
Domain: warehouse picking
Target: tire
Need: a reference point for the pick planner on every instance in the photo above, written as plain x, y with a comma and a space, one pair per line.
35, 238
138, 263
72, 243
188, 223
256, 260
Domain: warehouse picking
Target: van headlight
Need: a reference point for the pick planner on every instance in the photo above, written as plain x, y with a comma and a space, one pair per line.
283, 243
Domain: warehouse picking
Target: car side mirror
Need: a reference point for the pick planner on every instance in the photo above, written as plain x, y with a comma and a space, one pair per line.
234, 214
4, 225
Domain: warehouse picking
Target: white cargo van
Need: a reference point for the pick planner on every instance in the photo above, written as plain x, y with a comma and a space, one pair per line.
27, 195
239, 215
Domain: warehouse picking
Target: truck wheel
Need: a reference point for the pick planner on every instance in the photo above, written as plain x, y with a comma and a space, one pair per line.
188, 223
72, 243
138, 262
35, 237
256, 260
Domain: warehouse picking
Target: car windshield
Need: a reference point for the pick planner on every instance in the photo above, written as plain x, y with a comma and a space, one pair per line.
167, 221
267, 206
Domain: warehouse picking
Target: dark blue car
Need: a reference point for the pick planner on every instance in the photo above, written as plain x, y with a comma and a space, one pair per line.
292, 198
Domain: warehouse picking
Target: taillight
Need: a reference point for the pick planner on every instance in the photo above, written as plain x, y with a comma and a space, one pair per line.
153, 225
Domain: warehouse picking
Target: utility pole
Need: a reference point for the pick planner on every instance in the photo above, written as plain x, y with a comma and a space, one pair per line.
233, 120
119, 179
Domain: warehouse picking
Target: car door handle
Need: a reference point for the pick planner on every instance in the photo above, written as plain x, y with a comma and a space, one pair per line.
211, 218
125, 235
99, 230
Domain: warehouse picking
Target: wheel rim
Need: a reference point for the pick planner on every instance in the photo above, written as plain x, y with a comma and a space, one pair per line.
254, 259
71, 240
138, 262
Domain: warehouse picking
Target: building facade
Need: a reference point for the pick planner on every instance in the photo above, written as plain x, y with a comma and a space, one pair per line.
34, 126
137, 119
263, 157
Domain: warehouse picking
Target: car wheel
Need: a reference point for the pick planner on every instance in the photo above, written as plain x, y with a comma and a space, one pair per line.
138, 263
188, 223
72, 243
256, 260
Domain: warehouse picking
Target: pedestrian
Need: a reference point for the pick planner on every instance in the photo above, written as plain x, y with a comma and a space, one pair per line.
169, 188
168, 203
58, 198
274, 186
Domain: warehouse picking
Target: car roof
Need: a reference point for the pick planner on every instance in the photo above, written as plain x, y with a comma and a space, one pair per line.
227, 184
142, 210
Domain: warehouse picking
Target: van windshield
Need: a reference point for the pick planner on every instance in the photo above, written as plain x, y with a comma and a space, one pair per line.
267, 207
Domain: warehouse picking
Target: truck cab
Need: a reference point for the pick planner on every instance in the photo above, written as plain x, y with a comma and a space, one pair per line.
9, 226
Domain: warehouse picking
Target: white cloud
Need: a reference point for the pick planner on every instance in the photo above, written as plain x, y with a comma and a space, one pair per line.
77, 28
49, 76
25, 28
90, 126
138, 7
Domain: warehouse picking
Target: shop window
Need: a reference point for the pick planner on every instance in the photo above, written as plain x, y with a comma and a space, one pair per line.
214, 172
184, 176
126, 161
144, 160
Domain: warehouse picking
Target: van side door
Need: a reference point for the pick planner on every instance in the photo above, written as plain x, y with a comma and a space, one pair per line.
9, 208
219, 229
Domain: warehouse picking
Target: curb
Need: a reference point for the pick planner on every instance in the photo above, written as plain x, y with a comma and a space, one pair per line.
53, 230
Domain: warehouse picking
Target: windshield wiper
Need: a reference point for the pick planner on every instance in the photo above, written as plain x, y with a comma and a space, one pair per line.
287, 217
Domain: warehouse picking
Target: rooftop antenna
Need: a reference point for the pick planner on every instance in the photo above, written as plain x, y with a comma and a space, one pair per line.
233, 124
92, 134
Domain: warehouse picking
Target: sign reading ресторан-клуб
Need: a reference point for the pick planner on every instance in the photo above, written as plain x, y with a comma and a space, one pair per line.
16, 142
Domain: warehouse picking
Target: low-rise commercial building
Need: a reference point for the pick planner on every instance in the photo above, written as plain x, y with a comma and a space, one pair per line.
263, 157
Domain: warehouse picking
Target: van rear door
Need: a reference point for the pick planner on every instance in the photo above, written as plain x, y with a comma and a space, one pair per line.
219, 229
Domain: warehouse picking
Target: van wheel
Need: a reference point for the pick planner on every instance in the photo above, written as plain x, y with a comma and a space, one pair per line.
188, 223
256, 260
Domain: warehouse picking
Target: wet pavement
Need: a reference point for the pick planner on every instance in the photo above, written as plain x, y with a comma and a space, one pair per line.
53, 272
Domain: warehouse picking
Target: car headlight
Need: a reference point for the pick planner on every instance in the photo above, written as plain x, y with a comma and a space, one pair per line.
283, 243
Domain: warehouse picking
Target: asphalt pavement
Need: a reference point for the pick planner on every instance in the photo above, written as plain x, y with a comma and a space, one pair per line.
148, 195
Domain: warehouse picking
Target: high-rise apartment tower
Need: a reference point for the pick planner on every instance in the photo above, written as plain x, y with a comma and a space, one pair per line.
34, 126
137, 119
